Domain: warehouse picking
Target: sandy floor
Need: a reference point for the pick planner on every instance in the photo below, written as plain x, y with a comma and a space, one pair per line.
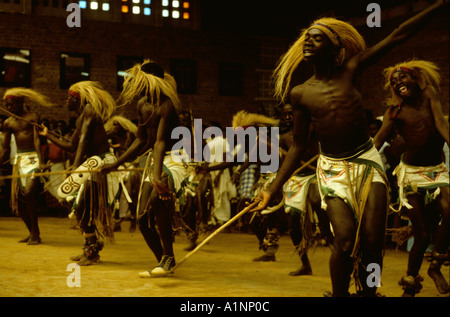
222, 268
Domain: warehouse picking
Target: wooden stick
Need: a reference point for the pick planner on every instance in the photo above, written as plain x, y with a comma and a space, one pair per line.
212, 235
306, 164
67, 172
33, 124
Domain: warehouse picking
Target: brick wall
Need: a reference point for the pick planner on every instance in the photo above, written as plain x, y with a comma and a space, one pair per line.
47, 36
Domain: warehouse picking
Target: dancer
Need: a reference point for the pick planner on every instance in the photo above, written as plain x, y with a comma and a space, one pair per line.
121, 133
157, 107
266, 227
22, 123
93, 202
198, 192
349, 169
415, 112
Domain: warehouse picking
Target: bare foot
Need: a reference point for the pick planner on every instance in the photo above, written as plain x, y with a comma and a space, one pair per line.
439, 279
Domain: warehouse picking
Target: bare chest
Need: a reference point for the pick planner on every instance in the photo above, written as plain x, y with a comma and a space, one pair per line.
333, 99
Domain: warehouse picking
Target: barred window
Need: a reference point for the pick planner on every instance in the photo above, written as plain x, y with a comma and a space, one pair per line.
176, 9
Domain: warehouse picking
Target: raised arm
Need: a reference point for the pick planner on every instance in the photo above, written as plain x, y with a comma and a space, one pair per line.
403, 32
436, 108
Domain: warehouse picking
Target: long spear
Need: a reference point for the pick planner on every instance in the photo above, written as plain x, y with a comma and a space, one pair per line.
37, 174
33, 123
212, 235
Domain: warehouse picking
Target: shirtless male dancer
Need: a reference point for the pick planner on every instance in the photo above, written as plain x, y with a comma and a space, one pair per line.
332, 104
415, 112
94, 106
28, 158
157, 108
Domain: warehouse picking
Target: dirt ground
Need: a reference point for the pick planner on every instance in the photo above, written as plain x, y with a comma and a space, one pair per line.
222, 268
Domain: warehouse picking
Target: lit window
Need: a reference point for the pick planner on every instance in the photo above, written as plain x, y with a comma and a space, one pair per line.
165, 13
136, 1
175, 14
165, 3
136, 10
105, 6
94, 5
176, 4
147, 11
186, 5
147, 2
186, 15
83, 4
124, 8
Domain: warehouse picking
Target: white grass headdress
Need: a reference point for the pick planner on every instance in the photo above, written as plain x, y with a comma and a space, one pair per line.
149, 79
123, 122
244, 119
29, 94
344, 37
425, 72
93, 93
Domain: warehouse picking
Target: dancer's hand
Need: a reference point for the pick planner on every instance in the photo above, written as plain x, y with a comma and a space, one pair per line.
43, 131
265, 197
163, 191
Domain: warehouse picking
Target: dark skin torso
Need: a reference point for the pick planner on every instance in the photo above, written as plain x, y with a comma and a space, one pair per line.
156, 123
24, 132
149, 117
423, 143
89, 137
334, 108
94, 133
416, 123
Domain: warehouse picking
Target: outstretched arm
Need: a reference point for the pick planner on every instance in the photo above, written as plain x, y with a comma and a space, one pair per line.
403, 32
436, 108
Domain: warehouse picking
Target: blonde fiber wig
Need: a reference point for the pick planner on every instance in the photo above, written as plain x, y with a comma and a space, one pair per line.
139, 83
245, 119
342, 34
30, 94
425, 72
93, 93
123, 122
